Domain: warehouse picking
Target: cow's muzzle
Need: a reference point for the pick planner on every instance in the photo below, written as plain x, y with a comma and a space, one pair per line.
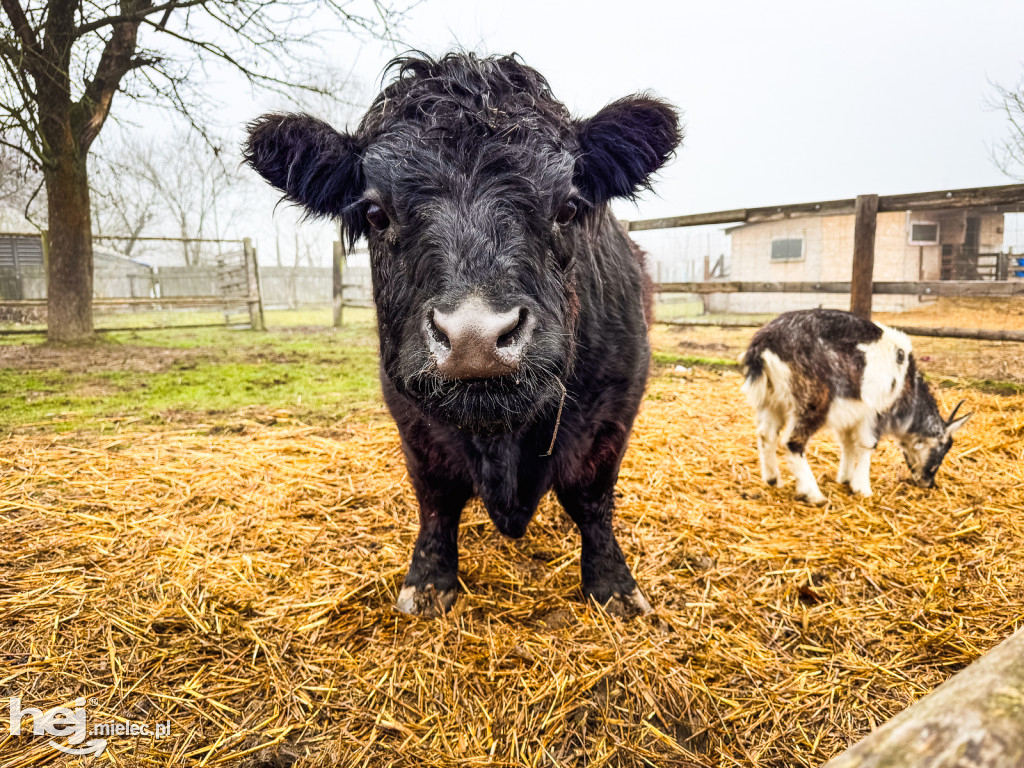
475, 341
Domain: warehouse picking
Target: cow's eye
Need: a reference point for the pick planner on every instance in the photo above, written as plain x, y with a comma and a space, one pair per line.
377, 217
567, 212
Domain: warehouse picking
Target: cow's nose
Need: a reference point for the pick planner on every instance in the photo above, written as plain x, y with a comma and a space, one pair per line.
473, 341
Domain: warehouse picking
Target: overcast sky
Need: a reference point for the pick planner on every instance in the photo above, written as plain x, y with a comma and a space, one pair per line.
783, 101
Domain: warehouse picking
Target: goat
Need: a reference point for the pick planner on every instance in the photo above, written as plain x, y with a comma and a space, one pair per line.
820, 367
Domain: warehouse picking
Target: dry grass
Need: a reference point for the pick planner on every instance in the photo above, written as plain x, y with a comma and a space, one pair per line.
239, 583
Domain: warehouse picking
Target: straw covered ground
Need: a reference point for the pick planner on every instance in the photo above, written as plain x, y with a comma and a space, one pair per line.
236, 580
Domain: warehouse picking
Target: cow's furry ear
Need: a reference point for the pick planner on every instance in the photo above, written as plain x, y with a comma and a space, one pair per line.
313, 164
623, 144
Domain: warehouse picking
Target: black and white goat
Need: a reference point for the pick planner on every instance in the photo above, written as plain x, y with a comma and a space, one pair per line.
810, 369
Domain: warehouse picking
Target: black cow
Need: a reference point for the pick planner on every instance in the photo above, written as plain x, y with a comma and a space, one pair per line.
512, 308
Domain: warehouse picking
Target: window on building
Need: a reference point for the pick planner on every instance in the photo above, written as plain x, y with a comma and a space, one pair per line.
789, 249
924, 233
17, 251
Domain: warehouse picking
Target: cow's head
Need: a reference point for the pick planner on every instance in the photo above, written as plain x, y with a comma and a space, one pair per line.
481, 200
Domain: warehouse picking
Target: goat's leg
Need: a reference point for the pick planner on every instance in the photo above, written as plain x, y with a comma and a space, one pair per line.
848, 448
769, 424
806, 486
860, 475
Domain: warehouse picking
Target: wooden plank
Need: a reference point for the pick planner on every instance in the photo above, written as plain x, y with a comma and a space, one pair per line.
690, 220
863, 269
981, 334
252, 272
779, 212
697, 322
1008, 194
338, 281
977, 334
975, 289
973, 719
751, 287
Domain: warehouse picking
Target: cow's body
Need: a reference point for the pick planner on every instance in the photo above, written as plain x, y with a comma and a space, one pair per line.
824, 368
512, 308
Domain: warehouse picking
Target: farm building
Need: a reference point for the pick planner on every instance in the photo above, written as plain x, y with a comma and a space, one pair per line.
953, 244
23, 270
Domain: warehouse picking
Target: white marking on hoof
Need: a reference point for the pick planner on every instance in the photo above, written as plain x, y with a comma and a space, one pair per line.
633, 604
425, 602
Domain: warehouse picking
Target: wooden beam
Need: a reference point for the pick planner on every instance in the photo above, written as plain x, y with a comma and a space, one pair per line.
863, 271
166, 302
779, 212
953, 198
973, 289
338, 287
977, 334
1010, 194
973, 719
252, 276
751, 287
981, 334
737, 215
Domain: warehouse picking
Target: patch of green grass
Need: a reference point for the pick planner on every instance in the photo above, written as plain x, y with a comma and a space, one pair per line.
988, 386
192, 375
668, 358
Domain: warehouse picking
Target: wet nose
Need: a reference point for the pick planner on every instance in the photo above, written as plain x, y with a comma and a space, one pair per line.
473, 341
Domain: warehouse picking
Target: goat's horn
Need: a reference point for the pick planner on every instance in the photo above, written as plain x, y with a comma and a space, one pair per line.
953, 414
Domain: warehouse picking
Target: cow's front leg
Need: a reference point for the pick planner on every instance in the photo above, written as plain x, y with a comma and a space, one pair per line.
432, 583
589, 499
606, 577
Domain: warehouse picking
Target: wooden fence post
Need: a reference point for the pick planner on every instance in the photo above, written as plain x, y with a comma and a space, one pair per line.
976, 718
338, 273
252, 277
865, 217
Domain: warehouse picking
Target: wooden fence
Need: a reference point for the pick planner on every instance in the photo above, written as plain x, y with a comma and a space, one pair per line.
231, 285
861, 286
356, 292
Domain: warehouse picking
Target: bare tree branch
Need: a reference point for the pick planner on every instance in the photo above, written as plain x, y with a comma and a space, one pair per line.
137, 15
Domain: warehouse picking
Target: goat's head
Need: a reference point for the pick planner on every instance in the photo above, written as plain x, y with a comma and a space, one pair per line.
929, 438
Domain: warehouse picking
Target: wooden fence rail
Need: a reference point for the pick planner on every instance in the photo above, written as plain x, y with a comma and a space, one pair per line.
973, 720
988, 289
861, 286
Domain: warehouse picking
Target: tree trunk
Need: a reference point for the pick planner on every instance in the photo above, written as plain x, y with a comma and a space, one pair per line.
973, 720
69, 271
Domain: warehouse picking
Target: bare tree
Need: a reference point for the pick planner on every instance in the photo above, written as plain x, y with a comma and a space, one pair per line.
63, 61
1009, 153
124, 204
184, 185
20, 183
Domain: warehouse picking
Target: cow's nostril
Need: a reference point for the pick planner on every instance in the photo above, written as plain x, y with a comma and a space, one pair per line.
436, 333
475, 341
513, 334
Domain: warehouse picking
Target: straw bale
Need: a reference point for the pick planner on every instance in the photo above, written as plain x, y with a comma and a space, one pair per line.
238, 582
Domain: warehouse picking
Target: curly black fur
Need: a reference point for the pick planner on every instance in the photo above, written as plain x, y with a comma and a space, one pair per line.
471, 160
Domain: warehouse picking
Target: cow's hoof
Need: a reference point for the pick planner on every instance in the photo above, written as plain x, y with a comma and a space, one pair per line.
426, 601
632, 604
